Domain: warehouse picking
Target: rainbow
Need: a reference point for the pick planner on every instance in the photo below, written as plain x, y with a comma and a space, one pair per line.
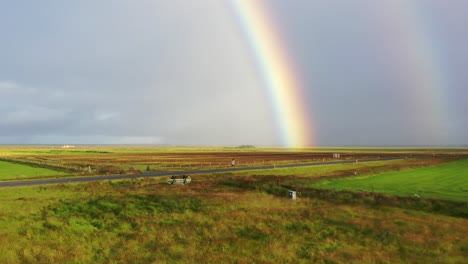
278, 74
414, 61
415, 55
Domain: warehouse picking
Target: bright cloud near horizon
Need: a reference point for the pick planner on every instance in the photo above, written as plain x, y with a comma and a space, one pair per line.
182, 72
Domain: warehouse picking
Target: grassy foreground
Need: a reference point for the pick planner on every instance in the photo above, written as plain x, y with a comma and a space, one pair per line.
446, 181
146, 221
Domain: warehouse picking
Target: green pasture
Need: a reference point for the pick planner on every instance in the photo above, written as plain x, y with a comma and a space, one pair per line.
447, 181
11, 171
322, 170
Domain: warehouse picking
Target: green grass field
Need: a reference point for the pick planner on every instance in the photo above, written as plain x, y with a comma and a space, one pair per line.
447, 181
12, 171
311, 171
147, 221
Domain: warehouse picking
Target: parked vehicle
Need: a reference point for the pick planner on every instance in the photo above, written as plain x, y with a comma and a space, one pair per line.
182, 179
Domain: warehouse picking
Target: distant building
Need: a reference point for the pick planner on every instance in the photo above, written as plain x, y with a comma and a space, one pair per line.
67, 146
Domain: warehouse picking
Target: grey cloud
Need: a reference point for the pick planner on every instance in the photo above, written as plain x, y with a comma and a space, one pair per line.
180, 72
161, 72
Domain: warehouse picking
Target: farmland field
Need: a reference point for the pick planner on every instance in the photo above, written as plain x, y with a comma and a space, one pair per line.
11, 171
447, 181
84, 160
233, 217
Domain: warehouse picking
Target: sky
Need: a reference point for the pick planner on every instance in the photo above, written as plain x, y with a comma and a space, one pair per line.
182, 72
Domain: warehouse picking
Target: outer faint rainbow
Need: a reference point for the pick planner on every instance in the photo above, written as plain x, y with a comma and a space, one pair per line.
416, 57
278, 73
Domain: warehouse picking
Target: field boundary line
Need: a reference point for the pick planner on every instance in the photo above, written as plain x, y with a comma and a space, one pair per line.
18, 183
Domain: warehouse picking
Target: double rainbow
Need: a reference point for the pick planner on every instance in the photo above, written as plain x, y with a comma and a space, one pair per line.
415, 60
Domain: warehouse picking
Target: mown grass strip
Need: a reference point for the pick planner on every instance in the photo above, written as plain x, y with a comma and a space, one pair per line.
447, 181
10, 171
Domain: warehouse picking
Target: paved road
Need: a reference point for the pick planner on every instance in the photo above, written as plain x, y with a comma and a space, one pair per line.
170, 173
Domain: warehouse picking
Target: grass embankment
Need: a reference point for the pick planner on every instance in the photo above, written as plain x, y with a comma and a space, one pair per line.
144, 221
14, 171
446, 181
343, 169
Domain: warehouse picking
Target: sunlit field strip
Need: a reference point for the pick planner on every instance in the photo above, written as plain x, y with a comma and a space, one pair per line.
10, 170
447, 181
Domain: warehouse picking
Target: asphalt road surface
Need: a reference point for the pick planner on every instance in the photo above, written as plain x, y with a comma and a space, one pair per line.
170, 173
